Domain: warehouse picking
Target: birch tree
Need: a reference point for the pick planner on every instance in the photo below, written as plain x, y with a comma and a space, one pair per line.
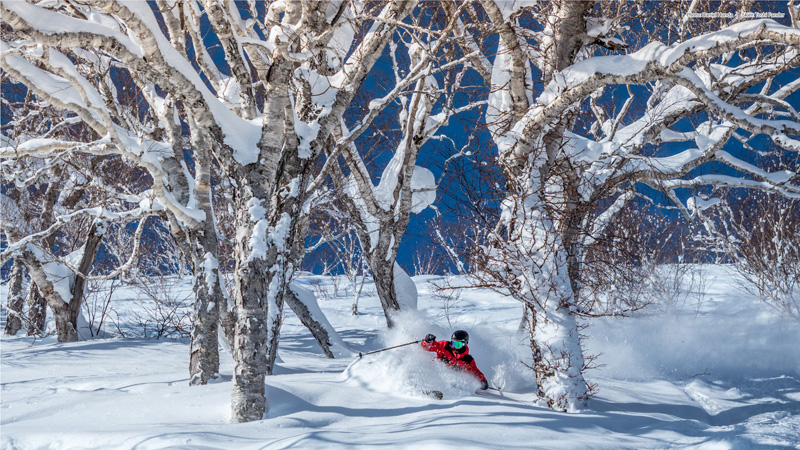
705, 91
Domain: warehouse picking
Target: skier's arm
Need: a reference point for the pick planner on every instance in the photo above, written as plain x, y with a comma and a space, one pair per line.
429, 343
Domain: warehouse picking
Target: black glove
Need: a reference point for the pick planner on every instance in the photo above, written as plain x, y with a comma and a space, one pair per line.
484, 385
430, 338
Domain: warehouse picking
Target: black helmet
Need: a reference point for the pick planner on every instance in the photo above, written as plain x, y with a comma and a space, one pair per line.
459, 341
460, 335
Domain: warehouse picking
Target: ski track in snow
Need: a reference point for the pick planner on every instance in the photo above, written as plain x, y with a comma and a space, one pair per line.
724, 374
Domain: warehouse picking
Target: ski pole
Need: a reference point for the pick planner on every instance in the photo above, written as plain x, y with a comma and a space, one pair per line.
387, 348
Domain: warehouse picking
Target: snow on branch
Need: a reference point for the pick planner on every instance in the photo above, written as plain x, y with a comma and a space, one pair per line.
98, 213
653, 62
787, 190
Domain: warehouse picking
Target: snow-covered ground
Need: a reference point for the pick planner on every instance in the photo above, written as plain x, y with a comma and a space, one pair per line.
720, 374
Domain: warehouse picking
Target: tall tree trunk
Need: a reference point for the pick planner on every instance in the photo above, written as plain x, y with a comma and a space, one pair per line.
91, 246
269, 230
256, 298
248, 401
209, 297
16, 299
547, 293
37, 301
270, 196
46, 290
66, 326
560, 355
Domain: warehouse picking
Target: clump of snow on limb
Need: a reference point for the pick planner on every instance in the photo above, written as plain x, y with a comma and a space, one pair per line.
411, 371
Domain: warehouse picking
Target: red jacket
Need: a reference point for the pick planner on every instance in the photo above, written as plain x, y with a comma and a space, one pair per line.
462, 361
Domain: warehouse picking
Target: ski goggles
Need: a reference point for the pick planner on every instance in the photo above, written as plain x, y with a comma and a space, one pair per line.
458, 344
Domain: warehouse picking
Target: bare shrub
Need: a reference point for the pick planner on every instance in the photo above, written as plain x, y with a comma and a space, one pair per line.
646, 259
759, 233
162, 312
448, 295
97, 304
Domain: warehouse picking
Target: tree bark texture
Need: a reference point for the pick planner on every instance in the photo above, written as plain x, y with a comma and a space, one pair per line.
383, 277
248, 401
37, 311
209, 300
66, 314
209, 297
16, 299
260, 254
37, 300
317, 330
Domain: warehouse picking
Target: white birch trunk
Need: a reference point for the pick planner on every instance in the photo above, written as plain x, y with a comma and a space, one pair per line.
248, 401
37, 311
536, 259
16, 299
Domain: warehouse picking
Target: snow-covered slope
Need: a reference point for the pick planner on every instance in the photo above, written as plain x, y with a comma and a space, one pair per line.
723, 374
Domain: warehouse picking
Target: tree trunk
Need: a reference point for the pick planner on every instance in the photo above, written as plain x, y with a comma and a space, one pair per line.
543, 226
537, 257
91, 246
66, 328
256, 298
37, 300
65, 311
269, 202
558, 358
227, 321
383, 277
209, 298
37, 311
66, 314
307, 310
66, 324
316, 329
204, 346
266, 251
16, 299
248, 401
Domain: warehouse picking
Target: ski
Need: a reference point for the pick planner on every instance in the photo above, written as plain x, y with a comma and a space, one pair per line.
438, 395
494, 394
511, 397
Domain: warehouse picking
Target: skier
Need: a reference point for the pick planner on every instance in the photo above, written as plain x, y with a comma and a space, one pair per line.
455, 353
